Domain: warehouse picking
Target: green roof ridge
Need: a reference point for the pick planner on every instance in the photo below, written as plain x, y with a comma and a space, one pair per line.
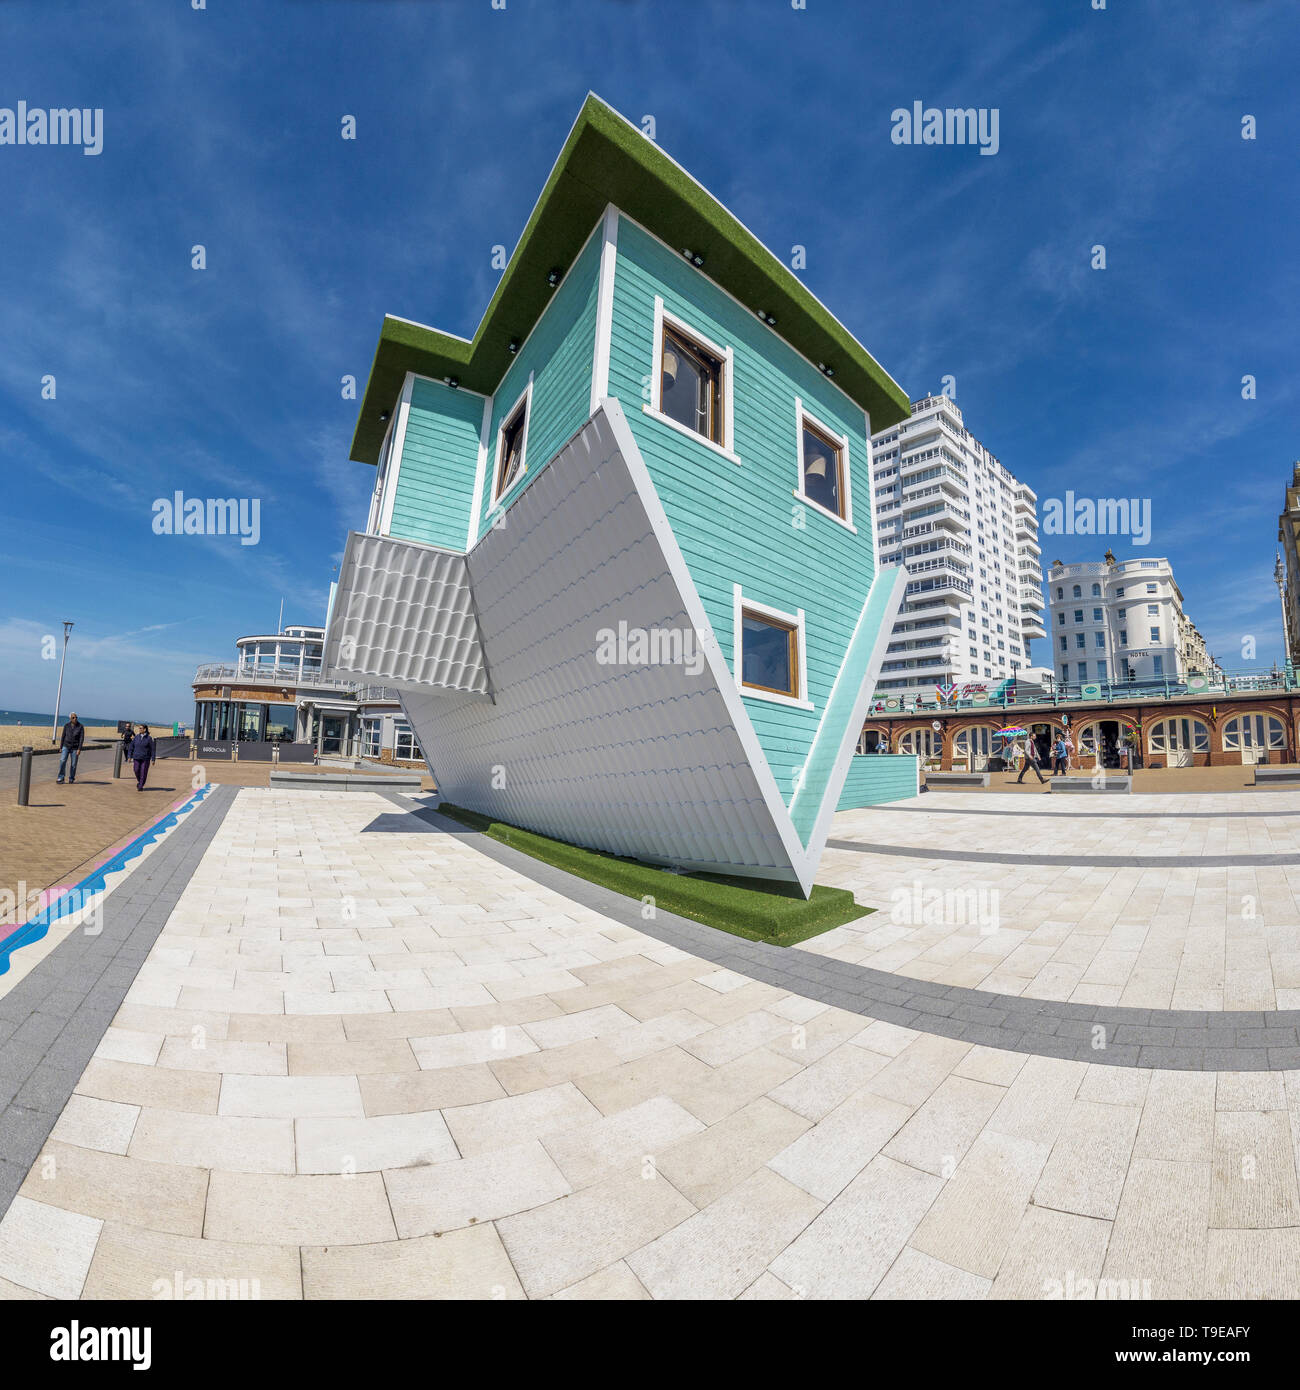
606, 159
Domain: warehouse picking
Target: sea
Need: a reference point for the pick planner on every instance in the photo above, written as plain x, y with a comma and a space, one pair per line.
26, 716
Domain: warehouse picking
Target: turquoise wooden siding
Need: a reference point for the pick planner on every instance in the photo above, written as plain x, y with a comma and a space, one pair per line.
826, 746
559, 354
736, 524
878, 777
435, 483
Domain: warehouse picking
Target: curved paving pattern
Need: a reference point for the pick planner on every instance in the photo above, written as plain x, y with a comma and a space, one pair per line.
1011, 857
1162, 929
365, 1059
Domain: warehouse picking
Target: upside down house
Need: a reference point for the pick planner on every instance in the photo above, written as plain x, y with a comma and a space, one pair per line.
620, 561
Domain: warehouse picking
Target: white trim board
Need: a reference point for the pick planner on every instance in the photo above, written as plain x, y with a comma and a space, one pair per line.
604, 309
395, 458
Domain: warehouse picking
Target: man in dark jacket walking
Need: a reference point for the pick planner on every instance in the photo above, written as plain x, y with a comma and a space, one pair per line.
142, 754
74, 735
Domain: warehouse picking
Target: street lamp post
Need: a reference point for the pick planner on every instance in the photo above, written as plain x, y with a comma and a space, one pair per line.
58, 699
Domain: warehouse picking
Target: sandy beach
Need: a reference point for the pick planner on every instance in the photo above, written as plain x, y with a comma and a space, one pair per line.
14, 737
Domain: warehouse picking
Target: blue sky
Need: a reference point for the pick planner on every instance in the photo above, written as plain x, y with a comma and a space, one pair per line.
222, 128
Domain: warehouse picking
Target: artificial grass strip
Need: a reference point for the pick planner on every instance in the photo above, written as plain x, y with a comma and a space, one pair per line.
757, 909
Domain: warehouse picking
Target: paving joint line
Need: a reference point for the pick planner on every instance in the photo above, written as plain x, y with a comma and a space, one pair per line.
1079, 1032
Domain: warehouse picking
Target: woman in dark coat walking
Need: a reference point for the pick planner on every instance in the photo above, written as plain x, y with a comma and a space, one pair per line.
142, 754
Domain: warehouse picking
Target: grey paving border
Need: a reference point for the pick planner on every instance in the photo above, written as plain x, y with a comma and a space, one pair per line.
1170, 1039
1073, 861
53, 1019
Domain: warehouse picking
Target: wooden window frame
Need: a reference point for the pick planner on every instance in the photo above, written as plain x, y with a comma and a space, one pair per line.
804, 419
791, 631
522, 411
695, 344
715, 369
796, 627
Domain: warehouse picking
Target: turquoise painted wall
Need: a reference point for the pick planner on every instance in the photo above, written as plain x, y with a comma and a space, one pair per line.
560, 354
874, 778
734, 524
435, 483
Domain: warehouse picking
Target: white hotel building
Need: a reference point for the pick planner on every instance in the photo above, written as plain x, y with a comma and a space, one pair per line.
1122, 621
967, 531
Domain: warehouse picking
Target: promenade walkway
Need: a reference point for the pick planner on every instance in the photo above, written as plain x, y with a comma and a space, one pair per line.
331, 1044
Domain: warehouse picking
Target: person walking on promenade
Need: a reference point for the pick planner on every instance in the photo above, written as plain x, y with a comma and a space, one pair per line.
1031, 760
1060, 755
128, 736
74, 735
142, 754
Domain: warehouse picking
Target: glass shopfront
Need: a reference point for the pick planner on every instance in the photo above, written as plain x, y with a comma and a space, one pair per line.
245, 720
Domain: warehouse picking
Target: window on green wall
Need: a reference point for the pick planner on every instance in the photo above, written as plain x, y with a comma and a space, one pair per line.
770, 654
510, 449
823, 468
690, 385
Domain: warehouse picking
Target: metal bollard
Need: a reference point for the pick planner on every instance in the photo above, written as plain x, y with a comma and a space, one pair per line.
25, 776
117, 760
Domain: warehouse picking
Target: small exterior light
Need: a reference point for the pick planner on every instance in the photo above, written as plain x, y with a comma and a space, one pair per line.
452, 381
697, 259
383, 417
554, 277
686, 251
513, 345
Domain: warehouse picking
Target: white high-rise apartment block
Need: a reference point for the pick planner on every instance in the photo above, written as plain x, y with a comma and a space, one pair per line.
967, 531
1121, 620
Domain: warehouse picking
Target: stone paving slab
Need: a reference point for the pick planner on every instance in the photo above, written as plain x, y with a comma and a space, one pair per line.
368, 1056
1189, 1040
52, 1021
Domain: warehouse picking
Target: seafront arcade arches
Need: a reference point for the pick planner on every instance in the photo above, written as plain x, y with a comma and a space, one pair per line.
1254, 734
1178, 740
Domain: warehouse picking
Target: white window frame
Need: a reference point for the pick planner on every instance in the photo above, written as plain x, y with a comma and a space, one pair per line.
403, 726
725, 355
1237, 726
525, 399
795, 620
802, 416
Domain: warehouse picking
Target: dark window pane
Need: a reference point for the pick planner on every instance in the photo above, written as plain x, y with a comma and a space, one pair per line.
512, 452
690, 386
821, 471
766, 655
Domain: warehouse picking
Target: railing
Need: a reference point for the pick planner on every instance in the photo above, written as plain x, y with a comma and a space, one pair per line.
1219, 685
219, 674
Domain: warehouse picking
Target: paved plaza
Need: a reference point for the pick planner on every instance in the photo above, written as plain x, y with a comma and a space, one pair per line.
333, 1045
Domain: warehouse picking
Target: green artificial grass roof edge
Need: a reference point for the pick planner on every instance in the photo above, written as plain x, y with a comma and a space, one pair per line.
753, 908
607, 159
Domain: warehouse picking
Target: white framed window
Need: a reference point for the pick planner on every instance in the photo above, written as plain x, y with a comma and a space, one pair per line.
823, 480
510, 461
1254, 731
370, 738
691, 383
405, 748
771, 653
